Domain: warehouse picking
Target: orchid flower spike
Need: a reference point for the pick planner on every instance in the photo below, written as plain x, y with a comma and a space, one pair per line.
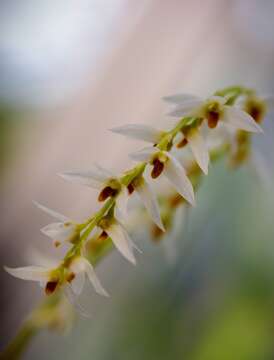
164, 162
65, 230
103, 180
214, 109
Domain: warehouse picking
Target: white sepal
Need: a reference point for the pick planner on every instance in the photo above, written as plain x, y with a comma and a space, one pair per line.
122, 202
93, 178
199, 149
78, 283
239, 119
139, 132
149, 200
32, 273
59, 231
144, 154
121, 240
51, 212
188, 108
176, 175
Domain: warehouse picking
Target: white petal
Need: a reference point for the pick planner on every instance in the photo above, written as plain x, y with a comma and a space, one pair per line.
180, 98
139, 132
59, 231
199, 149
87, 178
187, 108
239, 119
122, 202
103, 172
94, 279
176, 174
121, 241
130, 241
148, 198
144, 154
77, 283
33, 273
51, 212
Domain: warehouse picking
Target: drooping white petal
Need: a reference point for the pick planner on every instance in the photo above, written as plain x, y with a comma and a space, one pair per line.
51, 212
188, 108
139, 132
148, 198
239, 119
59, 231
122, 202
176, 175
94, 279
144, 154
33, 273
199, 149
180, 98
77, 283
122, 243
130, 241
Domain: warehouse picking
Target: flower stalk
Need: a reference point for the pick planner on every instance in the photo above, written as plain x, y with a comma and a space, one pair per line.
86, 249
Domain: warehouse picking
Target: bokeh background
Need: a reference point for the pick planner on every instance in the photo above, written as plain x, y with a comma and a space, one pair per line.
70, 70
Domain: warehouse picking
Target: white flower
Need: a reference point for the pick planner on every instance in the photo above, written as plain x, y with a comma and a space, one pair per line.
115, 230
164, 162
104, 180
43, 275
65, 230
50, 277
257, 106
214, 109
80, 267
149, 134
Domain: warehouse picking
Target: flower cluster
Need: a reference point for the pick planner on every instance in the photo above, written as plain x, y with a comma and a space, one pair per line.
233, 113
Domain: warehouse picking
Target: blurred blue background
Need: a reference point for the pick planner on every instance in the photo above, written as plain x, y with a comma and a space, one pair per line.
69, 71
